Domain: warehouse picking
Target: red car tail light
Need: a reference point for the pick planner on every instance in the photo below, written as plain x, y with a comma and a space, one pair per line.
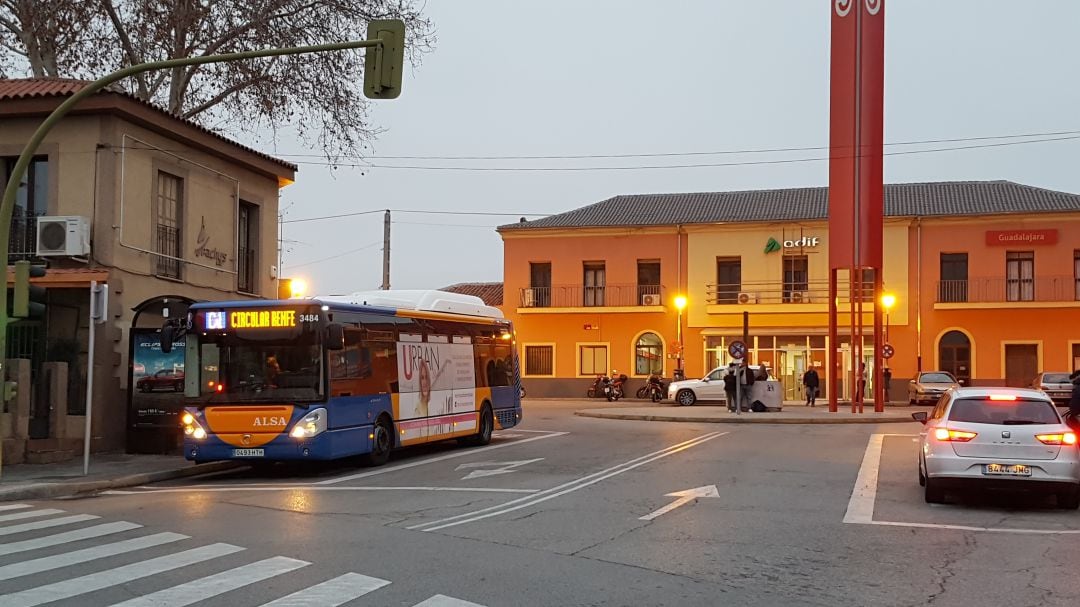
1066, 438
956, 436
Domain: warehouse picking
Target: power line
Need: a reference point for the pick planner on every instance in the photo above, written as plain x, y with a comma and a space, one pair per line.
349, 252
679, 166
424, 212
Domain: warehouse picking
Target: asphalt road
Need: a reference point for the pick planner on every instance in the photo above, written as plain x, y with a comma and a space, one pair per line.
551, 513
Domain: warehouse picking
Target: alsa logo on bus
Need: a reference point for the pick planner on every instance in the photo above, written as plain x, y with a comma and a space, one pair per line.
262, 422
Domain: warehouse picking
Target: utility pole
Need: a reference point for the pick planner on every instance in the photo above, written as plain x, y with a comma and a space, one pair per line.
386, 252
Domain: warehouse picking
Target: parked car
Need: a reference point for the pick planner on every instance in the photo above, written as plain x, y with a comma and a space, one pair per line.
928, 386
1055, 385
1010, 438
708, 388
167, 380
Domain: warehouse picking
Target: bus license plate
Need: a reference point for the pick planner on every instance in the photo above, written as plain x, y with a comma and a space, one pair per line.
1004, 470
247, 452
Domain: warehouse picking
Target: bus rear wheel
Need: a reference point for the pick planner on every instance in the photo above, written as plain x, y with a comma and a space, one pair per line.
381, 442
487, 426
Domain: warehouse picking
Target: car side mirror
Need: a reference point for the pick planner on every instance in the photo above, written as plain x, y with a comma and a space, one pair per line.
920, 416
960, 381
335, 337
911, 381
705, 379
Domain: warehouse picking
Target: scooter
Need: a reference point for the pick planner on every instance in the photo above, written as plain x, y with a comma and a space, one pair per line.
598, 389
614, 389
654, 389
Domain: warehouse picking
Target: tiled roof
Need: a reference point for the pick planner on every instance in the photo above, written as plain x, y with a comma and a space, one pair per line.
946, 198
35, 88
490, 292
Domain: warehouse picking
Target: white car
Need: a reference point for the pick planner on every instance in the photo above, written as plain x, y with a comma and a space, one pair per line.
708, 388
1007, 438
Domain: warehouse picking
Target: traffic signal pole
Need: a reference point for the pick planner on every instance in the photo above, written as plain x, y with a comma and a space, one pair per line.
382, 80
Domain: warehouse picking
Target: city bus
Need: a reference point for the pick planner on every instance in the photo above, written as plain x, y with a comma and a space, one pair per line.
334, 377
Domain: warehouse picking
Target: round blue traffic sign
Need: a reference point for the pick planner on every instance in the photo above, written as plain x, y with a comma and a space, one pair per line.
737, 349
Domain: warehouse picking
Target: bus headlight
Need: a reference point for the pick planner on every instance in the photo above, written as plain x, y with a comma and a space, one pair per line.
192, 427
312, 424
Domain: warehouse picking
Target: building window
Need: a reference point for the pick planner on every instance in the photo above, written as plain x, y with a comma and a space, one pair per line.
538, 295
953, 286
593, 360
540, 360
1020, 276
728, 279
796, 278
169, 214
594, 283
649, 354
1076, 273
247, 239
648, 282
31, 201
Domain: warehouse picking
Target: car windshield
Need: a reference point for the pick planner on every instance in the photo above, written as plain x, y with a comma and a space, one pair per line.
1055, 378
1018, 412
937, 378
234, 369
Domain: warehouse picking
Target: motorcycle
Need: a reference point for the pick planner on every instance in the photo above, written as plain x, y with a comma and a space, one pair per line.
599, 387
614, 389
653, 389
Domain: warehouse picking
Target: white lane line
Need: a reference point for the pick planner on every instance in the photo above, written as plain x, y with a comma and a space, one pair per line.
6, 507
112, 577
861, 505
86, 555
574, 485
315, 488
441, 600
331, 593
53, 522
432, 460
212, 585
67, 536
18, 516
985, 529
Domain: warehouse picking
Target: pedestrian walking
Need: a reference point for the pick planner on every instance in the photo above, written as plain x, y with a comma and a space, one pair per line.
886, 378
746, 384
1074, 401
730, 388
812, 382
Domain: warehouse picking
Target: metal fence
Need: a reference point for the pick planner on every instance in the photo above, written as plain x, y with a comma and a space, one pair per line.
995, 290
576, 296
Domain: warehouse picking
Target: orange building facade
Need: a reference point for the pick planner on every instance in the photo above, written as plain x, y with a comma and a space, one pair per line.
984, 278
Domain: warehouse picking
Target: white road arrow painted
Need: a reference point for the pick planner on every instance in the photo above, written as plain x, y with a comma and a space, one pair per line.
494, 468
685, 497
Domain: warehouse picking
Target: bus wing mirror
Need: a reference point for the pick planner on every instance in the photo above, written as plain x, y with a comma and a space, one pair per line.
335, 337
167, 333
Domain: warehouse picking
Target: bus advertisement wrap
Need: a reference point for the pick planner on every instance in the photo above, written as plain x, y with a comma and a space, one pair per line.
435, 379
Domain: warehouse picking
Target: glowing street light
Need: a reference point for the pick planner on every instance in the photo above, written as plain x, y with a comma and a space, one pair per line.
680, 305
297, 288
888, 300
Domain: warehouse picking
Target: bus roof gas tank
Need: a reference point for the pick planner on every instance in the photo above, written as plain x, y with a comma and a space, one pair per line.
419, 300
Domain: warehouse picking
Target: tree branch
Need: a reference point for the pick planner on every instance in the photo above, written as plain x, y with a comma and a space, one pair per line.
125, 43
216, 99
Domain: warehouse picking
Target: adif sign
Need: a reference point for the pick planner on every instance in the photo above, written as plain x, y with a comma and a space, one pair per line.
805, 241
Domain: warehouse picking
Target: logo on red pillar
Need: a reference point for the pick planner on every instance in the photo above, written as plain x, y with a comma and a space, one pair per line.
873, 6
843, 7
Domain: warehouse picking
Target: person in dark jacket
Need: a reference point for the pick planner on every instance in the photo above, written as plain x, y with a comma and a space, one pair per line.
729, 388
1074, 400
811, 380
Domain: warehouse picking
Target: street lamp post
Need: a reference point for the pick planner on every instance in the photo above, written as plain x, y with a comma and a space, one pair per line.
680, 304
888, 300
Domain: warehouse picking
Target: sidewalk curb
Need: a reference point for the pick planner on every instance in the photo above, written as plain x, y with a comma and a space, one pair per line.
38, 491
749, 418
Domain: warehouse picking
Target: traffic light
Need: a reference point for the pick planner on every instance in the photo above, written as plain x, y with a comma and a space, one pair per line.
384, 63
28, 301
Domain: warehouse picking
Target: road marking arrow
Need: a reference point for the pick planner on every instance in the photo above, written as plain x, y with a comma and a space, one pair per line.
499, 468
685, 497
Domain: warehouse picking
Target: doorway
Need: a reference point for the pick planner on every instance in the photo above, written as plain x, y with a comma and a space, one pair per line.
1021, 364
954, 355
791, 367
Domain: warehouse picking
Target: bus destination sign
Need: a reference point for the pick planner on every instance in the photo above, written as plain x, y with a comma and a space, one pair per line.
231, 320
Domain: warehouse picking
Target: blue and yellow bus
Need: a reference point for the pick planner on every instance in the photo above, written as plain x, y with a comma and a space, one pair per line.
359, 375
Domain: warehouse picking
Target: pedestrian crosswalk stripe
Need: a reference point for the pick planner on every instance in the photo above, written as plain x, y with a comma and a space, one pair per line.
440, 600
213, 585
18, 516
331, 593
14, 507
112, 577
53, 522
67, 536
48, 563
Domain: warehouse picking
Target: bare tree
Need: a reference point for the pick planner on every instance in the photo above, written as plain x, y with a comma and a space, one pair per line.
320, 95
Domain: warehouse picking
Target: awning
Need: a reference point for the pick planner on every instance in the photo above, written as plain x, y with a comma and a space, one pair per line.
65, 278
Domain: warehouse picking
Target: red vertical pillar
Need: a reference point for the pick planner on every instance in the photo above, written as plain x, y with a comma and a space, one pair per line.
833, 373
879, 341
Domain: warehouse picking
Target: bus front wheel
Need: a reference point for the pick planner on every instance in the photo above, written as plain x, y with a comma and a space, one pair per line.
382, 441
487, 426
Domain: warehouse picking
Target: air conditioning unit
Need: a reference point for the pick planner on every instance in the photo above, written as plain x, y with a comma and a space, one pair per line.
63, 236
528, 298
800, 297
650, 299
747, 298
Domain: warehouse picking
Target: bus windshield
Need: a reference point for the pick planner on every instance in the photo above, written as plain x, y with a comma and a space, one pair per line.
238, 370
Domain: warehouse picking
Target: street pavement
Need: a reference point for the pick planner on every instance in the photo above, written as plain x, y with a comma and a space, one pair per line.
564, 510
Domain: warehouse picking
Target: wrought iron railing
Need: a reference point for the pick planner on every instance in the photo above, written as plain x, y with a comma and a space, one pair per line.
245, 271
576, 296
168, 243
22, 242
784, 292
1000, 289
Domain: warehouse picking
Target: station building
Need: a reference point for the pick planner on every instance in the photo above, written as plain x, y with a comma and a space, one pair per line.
984, 279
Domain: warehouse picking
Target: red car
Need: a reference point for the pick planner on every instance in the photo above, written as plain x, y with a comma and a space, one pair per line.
166, 380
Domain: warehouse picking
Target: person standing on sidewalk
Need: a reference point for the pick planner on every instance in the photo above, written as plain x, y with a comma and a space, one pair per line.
729, 388
811, 380
886, 378
746, 383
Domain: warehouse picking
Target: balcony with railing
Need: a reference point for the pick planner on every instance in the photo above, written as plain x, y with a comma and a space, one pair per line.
1002, 290
779, 292
580, 296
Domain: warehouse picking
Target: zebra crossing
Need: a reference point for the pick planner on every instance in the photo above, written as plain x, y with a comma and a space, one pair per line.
110, 544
